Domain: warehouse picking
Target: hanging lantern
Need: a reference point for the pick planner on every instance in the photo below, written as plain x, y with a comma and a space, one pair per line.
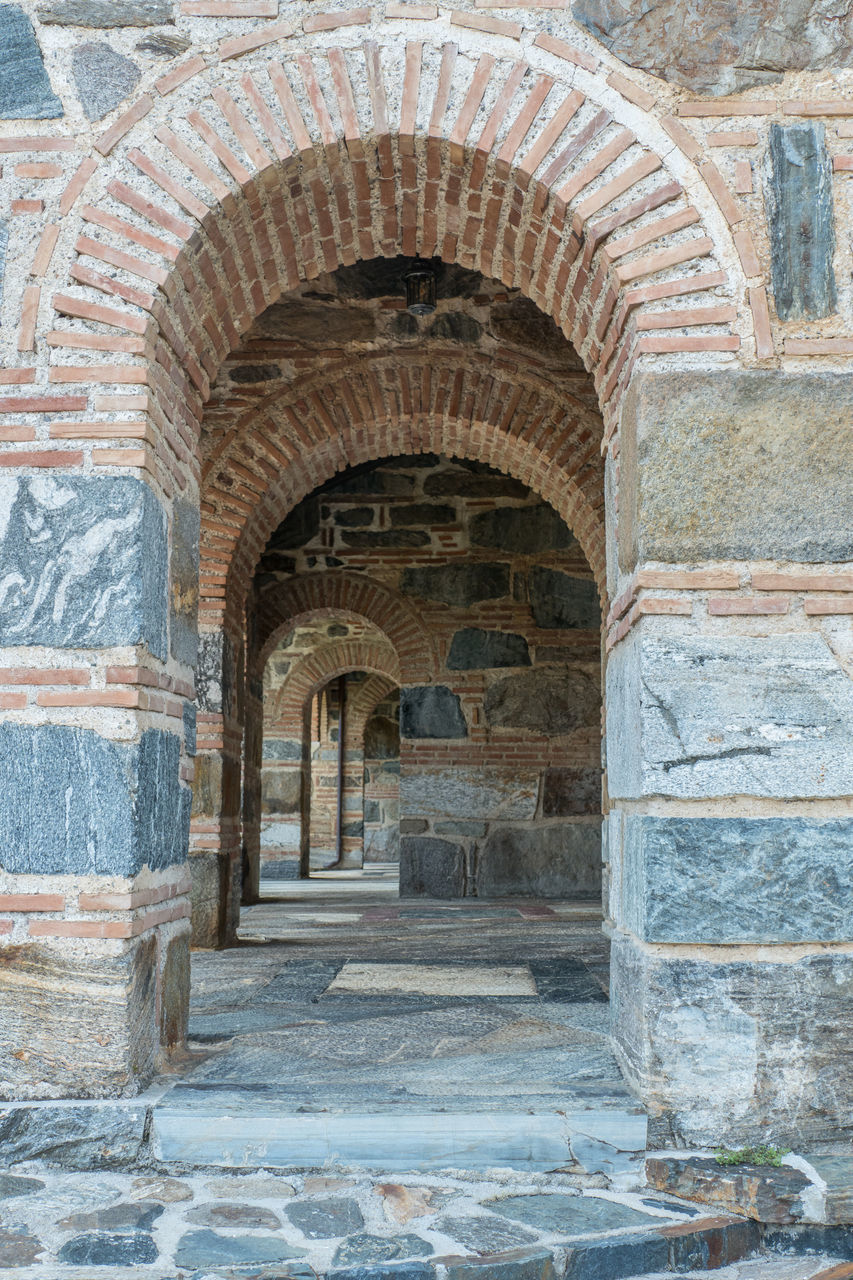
420, 292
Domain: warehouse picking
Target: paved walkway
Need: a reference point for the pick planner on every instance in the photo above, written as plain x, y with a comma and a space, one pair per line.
376, 1090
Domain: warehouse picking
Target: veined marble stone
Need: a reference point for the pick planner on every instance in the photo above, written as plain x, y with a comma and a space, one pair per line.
74, 802
25, 92
735, 715
82, 562
802, 231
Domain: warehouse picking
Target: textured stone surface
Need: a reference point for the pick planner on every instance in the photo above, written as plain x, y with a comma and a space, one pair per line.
474, 648
475, 481
109, 1248
70, 801
230, 1214
25, 92
741, 465
560, 601
4, 245
510, 1264
137, 1215
800, 213
548, 861
310, 321
725, 46
380, 1271
365, 1248
103, 78
74, 1137
470, 793
572, 1215
106, 13
763, 1193
367, 538
18, 1248
737, 1051
422, 513
544, 700
737, 879
522, 530
164, 44
522, 323
321, 1219
761, 716
456, 584
82, 562
568, 791
11, 1185
215, 672
483, 1234
183, 588
175, 992
431, 711
431, 868
207, 1248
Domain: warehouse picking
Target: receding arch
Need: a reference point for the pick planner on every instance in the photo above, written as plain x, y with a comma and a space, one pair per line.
323, 664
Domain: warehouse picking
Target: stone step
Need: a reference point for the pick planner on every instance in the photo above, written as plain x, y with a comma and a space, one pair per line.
221, 1127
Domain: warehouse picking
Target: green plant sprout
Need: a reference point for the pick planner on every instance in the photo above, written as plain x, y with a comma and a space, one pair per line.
761, 1155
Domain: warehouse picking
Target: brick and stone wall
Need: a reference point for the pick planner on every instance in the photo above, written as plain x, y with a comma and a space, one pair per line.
171, 171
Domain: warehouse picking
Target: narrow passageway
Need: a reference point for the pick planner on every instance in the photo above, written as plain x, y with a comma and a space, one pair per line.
352, 1024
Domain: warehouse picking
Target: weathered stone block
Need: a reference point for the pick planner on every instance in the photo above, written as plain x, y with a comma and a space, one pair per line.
736, 465
457, 584
546, 861
802, 229
4, 245
739, 715
470, 793
216, 672
545, 700
209, 880
103, 78
568, 791
431, 868
183, 633
25, 92
522, 530
73, 1137
352, 517
431, 711
282, 790
476, 481
509, 1264
87, 1027
106, 13
82, 562
423, 513
763, 1193
455, 326
175, 992
381, 738
473, 648
282, 749
560, 601
737, 880
74, 802
366, 538
749, 1050
189, 719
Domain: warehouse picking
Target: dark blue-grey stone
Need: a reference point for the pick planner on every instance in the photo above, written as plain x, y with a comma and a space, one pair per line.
547, 700
562, 602
431, 711
322, 1219
425, 513
109, 1249
361, 539
431, 868
457, 584
738, 880
18, 1248
352, 517
282, 749
460, 828
216, 668
485, 1233
570, 790
73, 802
570, 1215
82, 563
802, 228
137, 1215
11, 1185
25, 92
620, 1256
384, 1271
189, 718
510, 1264
472, 649
522, 530
562, 861
106, 13
207, 1248
831, 1241
184, 582
365, 1248
103, 78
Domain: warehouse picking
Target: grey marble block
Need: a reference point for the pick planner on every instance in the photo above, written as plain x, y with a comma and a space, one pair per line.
802, 229
738, 715
74, 802
562, 861
103, 77
25, 92
431, 711
216, 672
82, 562
106, 13
737, 880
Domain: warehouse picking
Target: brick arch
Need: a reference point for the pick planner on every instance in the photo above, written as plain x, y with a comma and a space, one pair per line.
325, 663
503, 413
497, 163
366, 697
333, 594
